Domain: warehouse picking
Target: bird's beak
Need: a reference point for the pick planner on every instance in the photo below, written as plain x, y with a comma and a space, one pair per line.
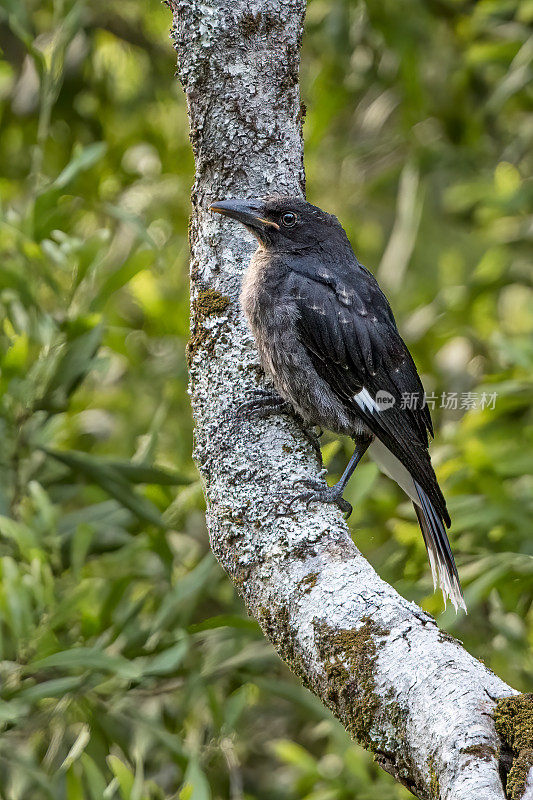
249, 212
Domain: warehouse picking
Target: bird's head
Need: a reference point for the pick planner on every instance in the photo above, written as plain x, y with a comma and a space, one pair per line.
282, 223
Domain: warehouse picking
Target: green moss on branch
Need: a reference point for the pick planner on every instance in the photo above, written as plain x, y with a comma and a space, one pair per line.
434, 783
513, 718
208, 303
349, 658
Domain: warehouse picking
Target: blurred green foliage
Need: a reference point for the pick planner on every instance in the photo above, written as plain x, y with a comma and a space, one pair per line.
129, 668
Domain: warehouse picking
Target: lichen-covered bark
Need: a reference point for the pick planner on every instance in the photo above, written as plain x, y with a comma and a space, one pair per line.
406, 691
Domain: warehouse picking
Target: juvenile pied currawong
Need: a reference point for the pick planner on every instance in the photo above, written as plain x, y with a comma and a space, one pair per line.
327, 338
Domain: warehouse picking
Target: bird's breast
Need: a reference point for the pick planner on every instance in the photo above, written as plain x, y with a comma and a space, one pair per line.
253, 286
269, 310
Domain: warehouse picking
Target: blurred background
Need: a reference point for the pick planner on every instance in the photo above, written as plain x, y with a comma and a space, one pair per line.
128, 666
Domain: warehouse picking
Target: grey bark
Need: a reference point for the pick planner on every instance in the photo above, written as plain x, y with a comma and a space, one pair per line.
404, 689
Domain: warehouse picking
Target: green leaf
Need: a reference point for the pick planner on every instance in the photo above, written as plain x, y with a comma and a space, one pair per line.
83, 160
294, 693
255, 652
134, 221
225, 621
167, 661
144, 473
75, 362
295, 755
196, 785
96, 782
12, 711
235, 706
22, 534
110, 480
108, 513
20, 25
125, 272
123, 774
79, 547
74, 785
170, 741
185, 589
57, 687
88, 658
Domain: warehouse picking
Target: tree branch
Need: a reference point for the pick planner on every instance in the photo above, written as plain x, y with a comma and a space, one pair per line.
404, 689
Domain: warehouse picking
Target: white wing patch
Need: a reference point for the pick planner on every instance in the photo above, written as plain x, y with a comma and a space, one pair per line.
365, 401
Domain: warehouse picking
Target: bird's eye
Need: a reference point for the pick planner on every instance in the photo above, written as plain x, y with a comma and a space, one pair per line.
288, 219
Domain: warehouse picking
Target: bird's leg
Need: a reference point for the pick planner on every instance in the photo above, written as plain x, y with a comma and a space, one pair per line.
312, 438
317, 492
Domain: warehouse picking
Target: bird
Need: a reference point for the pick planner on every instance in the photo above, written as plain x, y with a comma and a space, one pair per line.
328, 341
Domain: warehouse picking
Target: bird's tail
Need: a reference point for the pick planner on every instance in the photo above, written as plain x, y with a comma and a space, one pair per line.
440, 554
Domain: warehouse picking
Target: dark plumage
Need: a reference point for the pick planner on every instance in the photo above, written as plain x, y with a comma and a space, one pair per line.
327, 337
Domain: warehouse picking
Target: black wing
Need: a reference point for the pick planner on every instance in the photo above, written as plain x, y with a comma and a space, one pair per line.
348, 329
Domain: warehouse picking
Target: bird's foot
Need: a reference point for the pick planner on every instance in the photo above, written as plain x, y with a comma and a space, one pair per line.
263, 403
318, 493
